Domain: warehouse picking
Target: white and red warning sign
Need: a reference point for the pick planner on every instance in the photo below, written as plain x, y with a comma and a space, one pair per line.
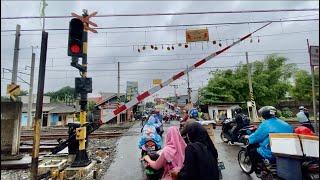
314, 55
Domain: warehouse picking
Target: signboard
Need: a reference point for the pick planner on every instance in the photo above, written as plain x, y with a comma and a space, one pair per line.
132, 89
314, 55
156, 81
13, 89
197, 35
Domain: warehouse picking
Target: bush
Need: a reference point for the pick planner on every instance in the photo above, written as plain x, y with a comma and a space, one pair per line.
287, 113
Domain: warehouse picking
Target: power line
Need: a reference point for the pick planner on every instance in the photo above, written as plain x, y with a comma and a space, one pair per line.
170, 55
136, 69
172, 14
144, 31
179, 43
172, 69
177, 25
184, 59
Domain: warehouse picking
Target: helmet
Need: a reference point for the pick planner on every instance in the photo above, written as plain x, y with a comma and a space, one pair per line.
193, 113
268, 112
237, 109
301, 108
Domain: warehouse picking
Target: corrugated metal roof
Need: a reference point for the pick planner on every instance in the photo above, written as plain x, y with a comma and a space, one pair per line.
52, 108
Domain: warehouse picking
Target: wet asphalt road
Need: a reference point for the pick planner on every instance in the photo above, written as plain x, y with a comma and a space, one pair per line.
127, 165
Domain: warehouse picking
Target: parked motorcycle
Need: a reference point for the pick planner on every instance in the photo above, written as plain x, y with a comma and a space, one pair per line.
228, 126
267, 170
150, 148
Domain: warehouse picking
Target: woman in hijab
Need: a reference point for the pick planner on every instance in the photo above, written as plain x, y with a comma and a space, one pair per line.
201, 156
172, 155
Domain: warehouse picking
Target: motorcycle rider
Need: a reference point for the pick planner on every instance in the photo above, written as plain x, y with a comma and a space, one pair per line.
192, 117
155, 119
239, 123
271, 124
303, 118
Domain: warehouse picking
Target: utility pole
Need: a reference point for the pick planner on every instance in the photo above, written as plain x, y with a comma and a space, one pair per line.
189, 89
13, 89
16, 55
33, 56
254, 109
313, 91
175, 86
38, 114
118, 93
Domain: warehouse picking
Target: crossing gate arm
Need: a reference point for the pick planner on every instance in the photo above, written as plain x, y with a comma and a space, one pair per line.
151, 91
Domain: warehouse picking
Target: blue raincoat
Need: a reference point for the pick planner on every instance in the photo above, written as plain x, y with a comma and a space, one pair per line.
261, 136
155, 120
149, 132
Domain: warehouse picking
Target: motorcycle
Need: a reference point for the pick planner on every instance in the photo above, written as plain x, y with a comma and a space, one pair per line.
228, 127
310, 169
263, 168
150, 148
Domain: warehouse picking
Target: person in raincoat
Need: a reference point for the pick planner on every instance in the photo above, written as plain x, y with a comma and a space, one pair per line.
271, 124
149, 133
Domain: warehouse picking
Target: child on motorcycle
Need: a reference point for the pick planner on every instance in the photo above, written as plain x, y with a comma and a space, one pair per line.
149, 133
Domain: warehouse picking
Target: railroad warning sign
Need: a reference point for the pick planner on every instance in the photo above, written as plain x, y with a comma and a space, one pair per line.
13, 89
197, 35
314, 55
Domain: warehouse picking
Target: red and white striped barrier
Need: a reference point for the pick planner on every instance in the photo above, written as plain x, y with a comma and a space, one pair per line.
151, 91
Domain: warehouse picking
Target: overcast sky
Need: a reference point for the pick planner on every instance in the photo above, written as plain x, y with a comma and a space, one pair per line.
109, 46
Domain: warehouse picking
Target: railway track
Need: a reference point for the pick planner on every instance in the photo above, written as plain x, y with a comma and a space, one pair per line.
26, 136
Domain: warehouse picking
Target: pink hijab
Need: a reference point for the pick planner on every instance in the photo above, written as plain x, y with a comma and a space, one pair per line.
174, 149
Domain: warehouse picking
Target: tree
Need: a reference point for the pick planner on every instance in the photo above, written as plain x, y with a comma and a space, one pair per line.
61, 95
270, 82
91, 105
302, 89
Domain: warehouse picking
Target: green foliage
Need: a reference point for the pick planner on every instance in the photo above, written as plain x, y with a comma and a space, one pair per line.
287, 113
270, 82
61, 95
91, 105
5, 99
302, 90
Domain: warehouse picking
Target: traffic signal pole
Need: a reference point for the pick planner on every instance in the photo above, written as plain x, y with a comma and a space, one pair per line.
82, 158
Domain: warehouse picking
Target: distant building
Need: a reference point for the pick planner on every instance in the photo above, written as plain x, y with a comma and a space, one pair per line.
109, 102
53, 114
181, 100
218, 111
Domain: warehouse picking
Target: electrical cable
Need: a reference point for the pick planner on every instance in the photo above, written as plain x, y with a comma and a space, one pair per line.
170, 14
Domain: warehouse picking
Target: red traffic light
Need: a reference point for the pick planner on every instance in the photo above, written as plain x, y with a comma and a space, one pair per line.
75, 48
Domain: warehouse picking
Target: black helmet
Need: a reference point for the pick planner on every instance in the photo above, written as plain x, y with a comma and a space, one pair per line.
237, 109
268, 112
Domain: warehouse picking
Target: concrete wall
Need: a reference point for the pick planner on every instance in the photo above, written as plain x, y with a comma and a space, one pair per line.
10, 127
216, 109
